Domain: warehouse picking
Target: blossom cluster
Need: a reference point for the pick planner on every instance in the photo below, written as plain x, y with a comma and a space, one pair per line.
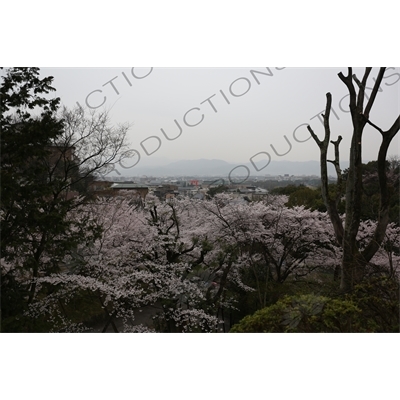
186, 257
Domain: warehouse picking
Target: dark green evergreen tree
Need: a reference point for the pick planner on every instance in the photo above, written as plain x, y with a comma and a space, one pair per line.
46, 158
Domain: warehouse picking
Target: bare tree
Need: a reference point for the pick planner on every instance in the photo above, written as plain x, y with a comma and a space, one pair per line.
39, 223
88, 145
355, 261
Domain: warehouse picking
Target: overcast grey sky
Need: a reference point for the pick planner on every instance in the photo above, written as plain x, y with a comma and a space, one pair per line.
257, 119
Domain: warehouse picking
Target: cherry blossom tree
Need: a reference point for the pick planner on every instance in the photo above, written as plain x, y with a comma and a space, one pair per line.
146, 257
386, 260
272, 241
187, 259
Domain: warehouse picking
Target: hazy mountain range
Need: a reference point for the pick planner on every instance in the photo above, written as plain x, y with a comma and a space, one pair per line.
204, 167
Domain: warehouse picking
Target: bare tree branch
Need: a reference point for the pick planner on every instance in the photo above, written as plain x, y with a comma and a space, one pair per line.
383, 219
361, 86
331, 205
348, 81
336, 163
373, 125
374, 91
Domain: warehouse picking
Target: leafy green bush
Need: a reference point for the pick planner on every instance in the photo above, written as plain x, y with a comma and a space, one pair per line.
304, 313
372, 307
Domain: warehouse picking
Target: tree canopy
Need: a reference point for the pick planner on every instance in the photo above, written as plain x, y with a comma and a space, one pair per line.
44, 157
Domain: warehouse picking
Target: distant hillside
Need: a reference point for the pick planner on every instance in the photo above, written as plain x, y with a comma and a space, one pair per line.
185, 167
204, 167
293, 168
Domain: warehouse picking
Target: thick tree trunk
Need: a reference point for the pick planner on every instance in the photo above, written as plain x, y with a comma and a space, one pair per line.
352, 269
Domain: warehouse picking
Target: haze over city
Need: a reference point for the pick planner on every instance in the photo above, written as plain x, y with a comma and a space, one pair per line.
237, 115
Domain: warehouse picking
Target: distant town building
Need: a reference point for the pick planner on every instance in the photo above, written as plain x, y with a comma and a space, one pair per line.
166, 191
136, 188
99, 186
